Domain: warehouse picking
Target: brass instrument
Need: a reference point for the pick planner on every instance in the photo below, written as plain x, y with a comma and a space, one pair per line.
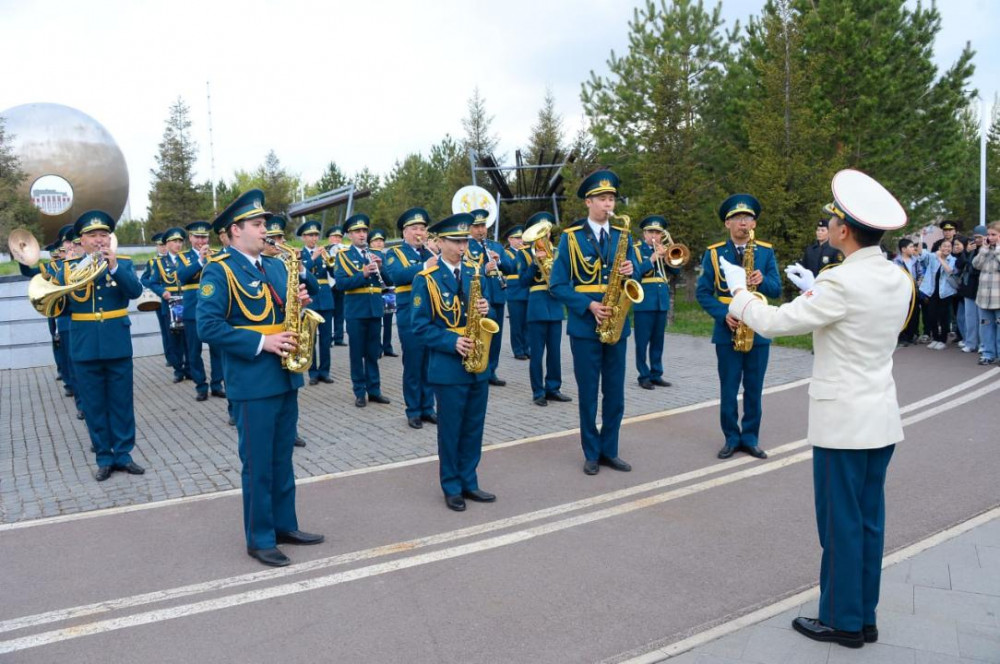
678, 254
621, 292
478, 328
47, 297
303, 322
539, 236
743, 335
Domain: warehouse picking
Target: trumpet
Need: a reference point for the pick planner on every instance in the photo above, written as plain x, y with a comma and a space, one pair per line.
676, 254
539, 236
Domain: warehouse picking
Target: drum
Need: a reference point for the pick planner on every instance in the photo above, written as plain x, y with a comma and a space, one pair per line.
148, 301
176, 317
388, 300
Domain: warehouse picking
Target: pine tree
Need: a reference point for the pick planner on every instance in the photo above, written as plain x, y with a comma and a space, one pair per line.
174, 199
477, 125
332, 178
547, 134
993, 165
16, 210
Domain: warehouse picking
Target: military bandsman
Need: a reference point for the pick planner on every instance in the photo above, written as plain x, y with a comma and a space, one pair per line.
402, 264
192, 262
496, 265
358, 277
579, 280
315, 259
335, 237
739, 213
517, 296
821, 254
241, 310
376, 242
165, 282
162, 315
651, 313
440, 310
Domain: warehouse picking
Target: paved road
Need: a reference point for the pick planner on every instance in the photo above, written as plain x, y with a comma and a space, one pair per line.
563, 568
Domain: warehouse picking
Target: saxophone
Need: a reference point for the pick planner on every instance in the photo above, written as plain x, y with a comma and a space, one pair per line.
621, 292
479, 329
303, 322
743, 335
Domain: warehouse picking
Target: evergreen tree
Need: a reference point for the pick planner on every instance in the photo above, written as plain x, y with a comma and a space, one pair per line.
547, 134
16, 209
332, 178
174, 199
477, 125
993, 165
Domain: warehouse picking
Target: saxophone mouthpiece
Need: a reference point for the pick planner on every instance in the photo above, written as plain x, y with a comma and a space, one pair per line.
270, 242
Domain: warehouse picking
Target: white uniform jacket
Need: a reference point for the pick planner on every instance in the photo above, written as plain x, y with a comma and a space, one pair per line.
855, 312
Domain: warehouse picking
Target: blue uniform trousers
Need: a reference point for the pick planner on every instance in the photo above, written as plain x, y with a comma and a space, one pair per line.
497, 340
105, 389
544, 339
734, 368
215, 361
364, 351
599, 365
58, 350
267, 435
460, 434
519, 344
321, 355
163, 321
650, 326
177, 353
196, 365
417, 392
387, 333
338, 316
69, 373
850, 516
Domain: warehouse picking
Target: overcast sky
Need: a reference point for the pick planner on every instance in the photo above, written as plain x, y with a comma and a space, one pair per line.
361, 83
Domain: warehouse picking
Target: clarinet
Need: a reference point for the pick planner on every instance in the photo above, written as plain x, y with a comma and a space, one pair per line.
496, 271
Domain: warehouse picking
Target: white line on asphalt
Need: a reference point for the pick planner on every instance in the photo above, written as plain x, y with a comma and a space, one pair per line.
58, 615
125, 509
798, 599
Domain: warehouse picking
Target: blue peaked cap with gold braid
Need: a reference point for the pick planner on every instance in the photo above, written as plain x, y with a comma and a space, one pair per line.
739, 204
415, 215
247, 205
654, 222
94, 220
309, 226
175, 233
455, 227
198, 228
599, 182
357, 222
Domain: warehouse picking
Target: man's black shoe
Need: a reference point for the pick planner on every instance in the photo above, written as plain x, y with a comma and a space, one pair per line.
80, 415
360, 402
415, 423
339, 343
558, 396
378, 398
870, 632
456, 503
390, 353
540, 401
58, 376
645, 384
431, 419
327, 380
479, 496
231, 422
299, 537
299, 442
521, 357
755, 452
202, 396
271, 557
132, 468
497, 382
67, 391
102, 473
219, 393
314, 381
590, 467
817, 631
615, 464
726, 452
659, 382
178, 379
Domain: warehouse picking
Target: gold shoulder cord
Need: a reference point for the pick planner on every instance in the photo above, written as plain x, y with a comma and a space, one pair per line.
85, 292
236, 291
583, 272
402, 256
347, 266
715, 266
454, 310
168, 279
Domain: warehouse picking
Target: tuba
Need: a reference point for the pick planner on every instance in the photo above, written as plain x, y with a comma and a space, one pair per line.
479, 329
540, 237
743, 335
621, 292
303, 322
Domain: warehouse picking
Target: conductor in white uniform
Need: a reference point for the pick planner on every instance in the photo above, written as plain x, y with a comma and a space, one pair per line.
855, 312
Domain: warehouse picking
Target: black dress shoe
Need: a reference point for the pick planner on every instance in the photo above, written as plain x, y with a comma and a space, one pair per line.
521, 357
231, 422
415, 423
339, 343
271, 557
299, 537
615, 464
178, 379
132, 468
378, 398
360, 402
219, 393
870, 632
390, 353
299, 442
58, 376
726, 452
67, 391
479, 496
817, 631
558, 396
497, 382
314, 381
102, 473
659, 382
80, 415
540, 401
93, 450
327, 380
202, 396
755, 452
646, 384
431, 419
456, 503
590, 467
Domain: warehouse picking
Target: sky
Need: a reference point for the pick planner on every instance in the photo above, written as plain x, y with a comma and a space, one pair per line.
359, 83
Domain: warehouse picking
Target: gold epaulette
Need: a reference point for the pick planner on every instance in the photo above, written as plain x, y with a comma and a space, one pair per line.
428, 270
763, 244
221, 256
125, 258
716, 245
827, 267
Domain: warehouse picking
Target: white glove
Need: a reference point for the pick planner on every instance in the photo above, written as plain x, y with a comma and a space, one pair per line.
736, 276
800, 276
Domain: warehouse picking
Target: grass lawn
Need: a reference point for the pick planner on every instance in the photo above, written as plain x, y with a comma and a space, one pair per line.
689, 318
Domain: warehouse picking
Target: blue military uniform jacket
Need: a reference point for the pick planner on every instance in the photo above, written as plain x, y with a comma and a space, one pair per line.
713, 292
362, 295
517, 289
321, 271
542, 306
655, 286
402, 265
165, 277
189, 274
99, 322
580, 275
439, 318
491, 285
236, 307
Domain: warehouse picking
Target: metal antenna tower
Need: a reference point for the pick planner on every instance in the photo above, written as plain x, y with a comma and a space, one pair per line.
211, 147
